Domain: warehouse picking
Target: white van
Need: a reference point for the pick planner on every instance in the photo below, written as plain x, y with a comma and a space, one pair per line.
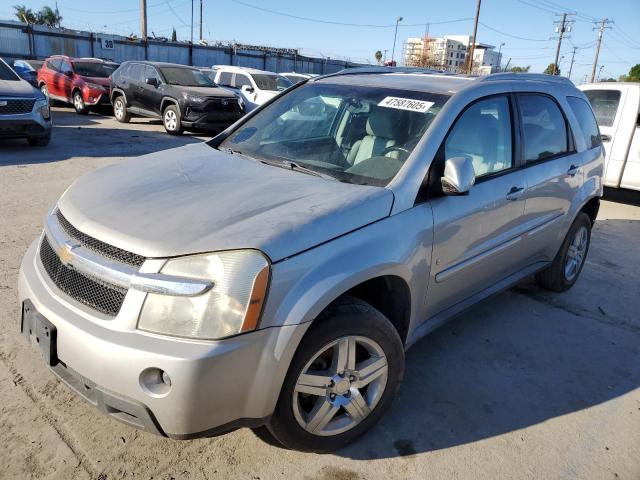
617, 109
255, 86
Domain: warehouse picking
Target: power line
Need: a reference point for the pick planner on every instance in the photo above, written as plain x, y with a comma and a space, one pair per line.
604, 24
511, 35
563, 26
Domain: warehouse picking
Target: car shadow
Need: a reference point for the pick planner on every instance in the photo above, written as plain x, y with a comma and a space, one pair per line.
622, 195
518, 359
89, 135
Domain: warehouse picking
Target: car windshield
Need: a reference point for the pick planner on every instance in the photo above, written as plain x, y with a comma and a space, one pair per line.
355, 134
93, 69
186, 77
274, 83
6, 73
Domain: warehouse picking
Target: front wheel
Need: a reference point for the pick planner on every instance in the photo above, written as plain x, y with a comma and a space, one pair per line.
78, 103
171, 120
120, 110
343, 377
566, 267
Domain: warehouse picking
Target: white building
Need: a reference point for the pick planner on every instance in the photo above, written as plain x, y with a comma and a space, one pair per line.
486, 56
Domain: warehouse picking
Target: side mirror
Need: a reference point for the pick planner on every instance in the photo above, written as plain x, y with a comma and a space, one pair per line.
246, 89
69, 73
151, 81
459, 176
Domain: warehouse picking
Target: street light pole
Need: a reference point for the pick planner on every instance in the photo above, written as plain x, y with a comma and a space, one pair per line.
500, 56
398, 20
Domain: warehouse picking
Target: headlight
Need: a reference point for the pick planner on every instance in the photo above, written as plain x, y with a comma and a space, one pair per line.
233, 305
193, 98
95, 86
42, 106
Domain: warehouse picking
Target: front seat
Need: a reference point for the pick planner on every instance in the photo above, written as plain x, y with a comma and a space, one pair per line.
382, 132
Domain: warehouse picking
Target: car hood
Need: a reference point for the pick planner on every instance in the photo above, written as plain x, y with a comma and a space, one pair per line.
208, 92
17, 88
197, 199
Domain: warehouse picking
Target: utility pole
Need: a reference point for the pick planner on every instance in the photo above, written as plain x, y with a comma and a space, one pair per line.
573, 56
564, 26
143, 20
603, 24
472, 48
398, 20
201, 21
191, 22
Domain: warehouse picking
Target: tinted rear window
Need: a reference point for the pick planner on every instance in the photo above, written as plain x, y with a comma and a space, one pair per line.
587, 121
545, 130
605, 105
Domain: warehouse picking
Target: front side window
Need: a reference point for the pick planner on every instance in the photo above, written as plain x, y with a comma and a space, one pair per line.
605, 105
242, 80
483, 134
355, 134
54, 64
544, 127
186, 77
65, 66
587, 121
150, 72
93, 69
271, 82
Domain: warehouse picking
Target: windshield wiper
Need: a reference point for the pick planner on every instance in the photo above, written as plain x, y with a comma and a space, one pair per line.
298, 168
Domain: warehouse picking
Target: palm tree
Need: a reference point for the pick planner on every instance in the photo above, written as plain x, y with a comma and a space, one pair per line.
24, 14
378, 56
48, 16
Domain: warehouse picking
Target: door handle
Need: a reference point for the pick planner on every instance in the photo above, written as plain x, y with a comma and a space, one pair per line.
605, 138
515, 193
573, 169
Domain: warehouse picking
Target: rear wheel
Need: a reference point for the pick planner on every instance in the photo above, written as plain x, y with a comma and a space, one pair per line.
171, 120
343, 377
120, 110
566, 267
78, 103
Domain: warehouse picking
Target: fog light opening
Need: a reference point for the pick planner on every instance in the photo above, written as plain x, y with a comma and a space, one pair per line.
155, 382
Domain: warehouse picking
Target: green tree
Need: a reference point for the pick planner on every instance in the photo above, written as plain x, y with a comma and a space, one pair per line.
174, 36
378, 56
550, 68
24, 14
634, 74
516, 69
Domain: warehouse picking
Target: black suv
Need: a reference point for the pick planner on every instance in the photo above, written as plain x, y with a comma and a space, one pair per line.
183, 97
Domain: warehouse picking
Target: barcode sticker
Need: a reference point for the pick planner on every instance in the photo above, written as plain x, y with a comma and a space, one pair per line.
406, 104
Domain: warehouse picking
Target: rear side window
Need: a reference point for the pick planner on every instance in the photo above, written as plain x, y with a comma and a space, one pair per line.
605, 105
483, 133
544, 128
135, 72
587, 121
225, 79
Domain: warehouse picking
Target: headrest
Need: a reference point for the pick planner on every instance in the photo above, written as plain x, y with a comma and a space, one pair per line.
382, 123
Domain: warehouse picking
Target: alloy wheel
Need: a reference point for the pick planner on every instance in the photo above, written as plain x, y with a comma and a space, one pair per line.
576, 253
118, 109
78, 102
170, 120
340, 386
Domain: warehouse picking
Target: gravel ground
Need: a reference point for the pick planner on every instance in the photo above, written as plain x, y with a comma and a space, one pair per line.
528, 385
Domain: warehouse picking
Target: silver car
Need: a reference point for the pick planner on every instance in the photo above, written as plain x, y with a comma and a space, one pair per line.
276, 275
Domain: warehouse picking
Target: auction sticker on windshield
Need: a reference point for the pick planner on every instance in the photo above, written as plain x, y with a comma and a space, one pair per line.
406, 104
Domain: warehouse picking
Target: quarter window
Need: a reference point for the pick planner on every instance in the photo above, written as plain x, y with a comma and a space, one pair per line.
587, 121
483, 134
544, 128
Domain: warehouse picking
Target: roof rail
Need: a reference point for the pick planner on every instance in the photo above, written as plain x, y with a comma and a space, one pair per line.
381, 69
537, 77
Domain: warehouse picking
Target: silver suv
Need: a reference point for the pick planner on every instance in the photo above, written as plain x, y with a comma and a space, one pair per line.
277, 274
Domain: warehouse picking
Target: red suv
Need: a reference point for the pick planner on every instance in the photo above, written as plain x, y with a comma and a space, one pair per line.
83, 82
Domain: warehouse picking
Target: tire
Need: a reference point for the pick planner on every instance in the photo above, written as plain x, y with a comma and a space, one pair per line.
120, 110
44, 90
78, 103
39, 141
566, 267
171, 120
349, 321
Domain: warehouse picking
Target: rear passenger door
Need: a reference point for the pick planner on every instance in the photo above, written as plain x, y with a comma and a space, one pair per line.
477, 236
554, 173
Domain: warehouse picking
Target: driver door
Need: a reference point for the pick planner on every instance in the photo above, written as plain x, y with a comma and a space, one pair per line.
477, 236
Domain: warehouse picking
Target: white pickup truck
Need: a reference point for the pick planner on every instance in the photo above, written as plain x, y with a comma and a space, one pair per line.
617, 109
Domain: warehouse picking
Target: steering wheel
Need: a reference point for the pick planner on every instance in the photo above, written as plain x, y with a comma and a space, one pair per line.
394, 148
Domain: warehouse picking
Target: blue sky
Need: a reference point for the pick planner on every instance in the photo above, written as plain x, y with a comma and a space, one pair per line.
501, 21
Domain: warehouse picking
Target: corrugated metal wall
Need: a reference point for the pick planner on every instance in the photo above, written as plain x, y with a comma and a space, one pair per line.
18, 40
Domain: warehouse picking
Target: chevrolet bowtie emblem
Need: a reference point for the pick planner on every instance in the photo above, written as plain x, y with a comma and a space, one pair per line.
65, 253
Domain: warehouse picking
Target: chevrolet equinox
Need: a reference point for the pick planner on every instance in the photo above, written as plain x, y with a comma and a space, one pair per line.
275, 275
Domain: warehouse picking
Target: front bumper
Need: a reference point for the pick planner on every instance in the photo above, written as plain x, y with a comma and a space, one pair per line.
26, 125
96, 97
211, 115
215, 385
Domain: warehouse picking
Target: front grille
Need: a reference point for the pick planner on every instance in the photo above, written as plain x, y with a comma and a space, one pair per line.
99, 247
94, 293
13, 106
222, 105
